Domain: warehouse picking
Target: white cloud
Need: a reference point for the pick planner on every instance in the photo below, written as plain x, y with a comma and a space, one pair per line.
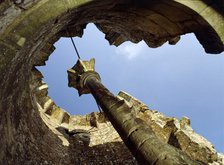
130, 50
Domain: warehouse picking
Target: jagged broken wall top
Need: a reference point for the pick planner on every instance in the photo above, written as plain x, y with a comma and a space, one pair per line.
33, 130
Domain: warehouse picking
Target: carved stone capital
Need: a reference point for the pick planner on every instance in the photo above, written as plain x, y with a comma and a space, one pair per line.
79, 73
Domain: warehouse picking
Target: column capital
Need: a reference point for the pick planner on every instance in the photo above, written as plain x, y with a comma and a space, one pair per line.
78, 74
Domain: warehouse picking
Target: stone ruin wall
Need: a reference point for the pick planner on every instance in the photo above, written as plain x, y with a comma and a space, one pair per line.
95, 130
34, 130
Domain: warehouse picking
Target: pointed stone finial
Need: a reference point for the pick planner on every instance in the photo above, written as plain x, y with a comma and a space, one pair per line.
78, 74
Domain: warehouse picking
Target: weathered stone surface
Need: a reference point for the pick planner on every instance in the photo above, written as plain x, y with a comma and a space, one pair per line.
175, 132
29, 119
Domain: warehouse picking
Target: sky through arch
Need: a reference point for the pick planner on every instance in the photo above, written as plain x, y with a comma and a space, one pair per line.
180, 80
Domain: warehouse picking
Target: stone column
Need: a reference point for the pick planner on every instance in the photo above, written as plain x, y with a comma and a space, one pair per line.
135, 133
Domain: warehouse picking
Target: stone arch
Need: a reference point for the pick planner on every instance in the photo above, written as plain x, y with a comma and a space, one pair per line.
28, 31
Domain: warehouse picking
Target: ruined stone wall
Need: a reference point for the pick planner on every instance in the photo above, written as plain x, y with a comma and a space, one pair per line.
33, 130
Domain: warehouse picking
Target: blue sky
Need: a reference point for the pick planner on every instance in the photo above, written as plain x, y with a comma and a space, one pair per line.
180, 80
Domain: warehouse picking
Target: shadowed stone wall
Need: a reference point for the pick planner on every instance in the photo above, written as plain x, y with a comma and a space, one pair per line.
33, 130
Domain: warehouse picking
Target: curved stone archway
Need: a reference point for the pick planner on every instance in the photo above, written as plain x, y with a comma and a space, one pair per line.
28, 31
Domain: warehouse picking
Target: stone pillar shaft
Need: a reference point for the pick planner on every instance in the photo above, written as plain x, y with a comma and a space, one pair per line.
137, 136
